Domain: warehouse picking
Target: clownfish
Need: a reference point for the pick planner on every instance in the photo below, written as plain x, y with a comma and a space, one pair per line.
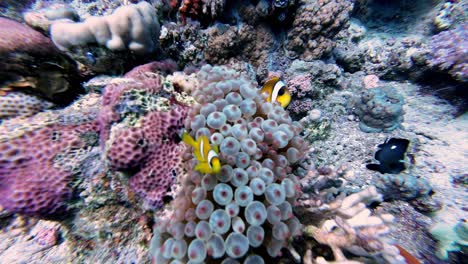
277, 91
207, 156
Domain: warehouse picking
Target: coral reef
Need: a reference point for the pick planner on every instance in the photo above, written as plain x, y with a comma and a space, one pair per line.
201, 10
246, 43
401, 186
379, 109
248, 205
144, 126
34, 179
387, 57
41, 19
134, 27
450, 13
342, 222
183, 43
314, 27
310, 81
18, 104
448, 52
114, 174
29, 61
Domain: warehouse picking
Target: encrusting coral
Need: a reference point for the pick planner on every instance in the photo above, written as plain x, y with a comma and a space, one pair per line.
380, 109
314, 26
18, 104
139, 130
248, 205
35, 177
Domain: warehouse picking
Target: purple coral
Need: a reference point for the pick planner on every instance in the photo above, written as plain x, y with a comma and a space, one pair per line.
149, 145
17, 37
449, 52
31, 181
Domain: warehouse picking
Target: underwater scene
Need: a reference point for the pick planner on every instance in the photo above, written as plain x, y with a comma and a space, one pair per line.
222, 131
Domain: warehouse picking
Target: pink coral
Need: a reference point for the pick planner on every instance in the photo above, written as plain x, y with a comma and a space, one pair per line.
48, 235
31, 182
17, 37
371, 81
14, 104
301, 106
449, 52
300, 85
149, 145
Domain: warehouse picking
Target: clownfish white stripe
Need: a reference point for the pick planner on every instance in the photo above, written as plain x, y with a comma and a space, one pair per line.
278, 86
202, 149
211, 154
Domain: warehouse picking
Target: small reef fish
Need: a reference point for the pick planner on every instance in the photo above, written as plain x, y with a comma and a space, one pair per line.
277, 91
207, 155
391, 155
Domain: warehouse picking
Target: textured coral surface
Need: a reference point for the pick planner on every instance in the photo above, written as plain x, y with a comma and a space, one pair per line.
30, 181
140, 134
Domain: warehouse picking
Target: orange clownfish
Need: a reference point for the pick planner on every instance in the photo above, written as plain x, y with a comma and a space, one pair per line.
277, 91
207, 156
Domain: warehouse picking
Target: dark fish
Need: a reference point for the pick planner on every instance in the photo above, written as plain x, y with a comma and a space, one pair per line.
391, 156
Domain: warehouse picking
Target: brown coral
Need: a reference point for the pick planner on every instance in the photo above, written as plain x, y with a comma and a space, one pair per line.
315, 25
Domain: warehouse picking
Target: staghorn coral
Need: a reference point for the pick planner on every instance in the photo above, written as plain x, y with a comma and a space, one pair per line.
448, 52
134, 27
248, 205
140, 129
314, 27
380, 109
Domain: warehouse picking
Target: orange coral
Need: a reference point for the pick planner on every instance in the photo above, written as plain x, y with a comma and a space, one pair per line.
190, 8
